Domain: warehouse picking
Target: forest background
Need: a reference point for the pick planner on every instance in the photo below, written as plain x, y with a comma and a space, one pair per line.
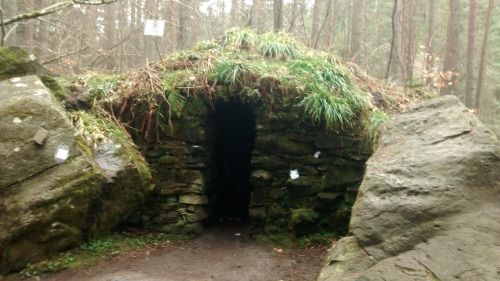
439, 46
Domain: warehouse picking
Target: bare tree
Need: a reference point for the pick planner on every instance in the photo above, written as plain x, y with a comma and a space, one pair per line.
330, 20
234, 13
185, 33
394, 67
484, 48
256, 15
316, 20
452, 58
430, 57
469, 80
278, 14
357, 23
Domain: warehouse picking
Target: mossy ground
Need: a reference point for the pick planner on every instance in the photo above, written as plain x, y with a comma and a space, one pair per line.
92, 252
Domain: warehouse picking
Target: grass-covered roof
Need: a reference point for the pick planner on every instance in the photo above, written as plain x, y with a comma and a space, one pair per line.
272, 68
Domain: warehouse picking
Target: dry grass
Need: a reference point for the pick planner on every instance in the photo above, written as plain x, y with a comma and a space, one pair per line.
147, 99
388, 97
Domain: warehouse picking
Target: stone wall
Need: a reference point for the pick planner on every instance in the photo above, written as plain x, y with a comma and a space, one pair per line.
330, 168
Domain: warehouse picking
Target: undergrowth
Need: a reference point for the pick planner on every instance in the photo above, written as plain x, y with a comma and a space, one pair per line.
93, 251
271, 68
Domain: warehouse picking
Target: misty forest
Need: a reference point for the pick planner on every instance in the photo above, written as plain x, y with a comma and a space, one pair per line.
249, 140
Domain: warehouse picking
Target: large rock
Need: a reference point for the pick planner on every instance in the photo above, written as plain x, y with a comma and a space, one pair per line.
429, 203
15, 61
46, 205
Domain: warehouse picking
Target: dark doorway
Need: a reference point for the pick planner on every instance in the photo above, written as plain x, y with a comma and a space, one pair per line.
235, 138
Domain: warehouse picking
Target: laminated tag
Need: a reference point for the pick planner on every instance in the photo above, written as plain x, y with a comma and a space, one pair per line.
62, 153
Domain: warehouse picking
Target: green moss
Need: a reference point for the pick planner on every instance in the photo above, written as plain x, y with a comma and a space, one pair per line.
94, 251
14, 61
281, 239
57, 90
169, 160
272, 69
303, 215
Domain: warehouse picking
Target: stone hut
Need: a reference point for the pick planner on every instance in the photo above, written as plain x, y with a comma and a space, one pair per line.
247, 125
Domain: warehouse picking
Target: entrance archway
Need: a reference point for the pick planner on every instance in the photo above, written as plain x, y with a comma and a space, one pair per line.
234, 143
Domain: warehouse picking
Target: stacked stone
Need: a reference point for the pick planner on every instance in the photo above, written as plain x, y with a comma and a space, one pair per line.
179, 166
330, 168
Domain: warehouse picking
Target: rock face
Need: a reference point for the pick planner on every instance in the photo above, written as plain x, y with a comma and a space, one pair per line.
429, 203
46, 207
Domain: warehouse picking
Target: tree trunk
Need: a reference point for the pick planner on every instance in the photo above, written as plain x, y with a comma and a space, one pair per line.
10, 10
469, 80
234, 13
278, 14
315, 23
329, 30
356, 30
28, 33
196, 21
295, 15
394, 67
256, 15
452, 57
184, 40
482, 62
110, 35
43, 40
430, 58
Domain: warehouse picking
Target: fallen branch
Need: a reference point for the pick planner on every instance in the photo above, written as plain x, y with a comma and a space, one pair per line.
52, 9
64, 55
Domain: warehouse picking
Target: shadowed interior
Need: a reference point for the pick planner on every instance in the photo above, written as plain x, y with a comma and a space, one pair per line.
235, 138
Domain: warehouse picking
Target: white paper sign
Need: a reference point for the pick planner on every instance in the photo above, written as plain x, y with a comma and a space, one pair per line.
294, 174
62, 154
154, 27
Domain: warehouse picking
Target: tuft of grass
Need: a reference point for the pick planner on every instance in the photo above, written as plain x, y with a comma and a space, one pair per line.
208, 45
372, 127
278, 45
100, 86
331, 97
233, 73
94, 130
323, 107
303, 215
241, 39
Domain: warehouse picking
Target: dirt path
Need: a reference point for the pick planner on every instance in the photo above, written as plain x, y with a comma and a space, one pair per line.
219, 254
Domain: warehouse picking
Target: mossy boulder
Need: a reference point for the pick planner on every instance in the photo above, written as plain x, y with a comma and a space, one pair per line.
49, 202
43, 204
15, 61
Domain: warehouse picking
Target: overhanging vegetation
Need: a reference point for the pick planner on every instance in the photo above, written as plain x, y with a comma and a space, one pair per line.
272, 68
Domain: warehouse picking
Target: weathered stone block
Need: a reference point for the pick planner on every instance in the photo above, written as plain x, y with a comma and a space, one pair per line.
193, 199
258, 213
197, 213
339, 176
267, 162
278, 144
329, 196
305, 185
261, 174
170, 160
183, 176
166, 217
